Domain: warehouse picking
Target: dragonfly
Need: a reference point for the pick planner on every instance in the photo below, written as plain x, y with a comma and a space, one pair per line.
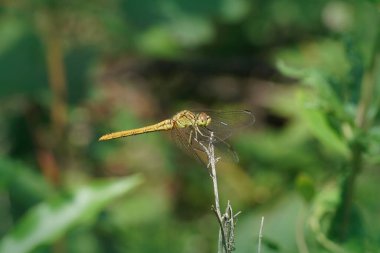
193, 131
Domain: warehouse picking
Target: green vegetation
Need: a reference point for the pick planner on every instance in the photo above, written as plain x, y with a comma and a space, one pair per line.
71, 71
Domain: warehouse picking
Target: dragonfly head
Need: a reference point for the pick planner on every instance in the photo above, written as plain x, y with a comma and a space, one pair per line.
203, 119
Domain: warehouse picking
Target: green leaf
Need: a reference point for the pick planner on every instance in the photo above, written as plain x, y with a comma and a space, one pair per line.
322, 211
49, 220
306, 186
234, 10
315, 79
323, 131
24, 180
24, 54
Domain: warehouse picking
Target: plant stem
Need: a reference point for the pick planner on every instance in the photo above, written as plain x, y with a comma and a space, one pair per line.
223, 243
57, 81
344, 212
212, 161
260, 235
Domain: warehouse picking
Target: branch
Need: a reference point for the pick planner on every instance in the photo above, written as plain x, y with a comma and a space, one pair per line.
226, 221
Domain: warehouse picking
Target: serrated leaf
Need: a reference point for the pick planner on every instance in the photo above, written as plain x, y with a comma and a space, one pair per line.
49, 220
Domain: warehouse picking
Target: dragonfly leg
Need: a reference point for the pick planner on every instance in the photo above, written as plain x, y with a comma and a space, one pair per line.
209, 137
190, 137
196, 131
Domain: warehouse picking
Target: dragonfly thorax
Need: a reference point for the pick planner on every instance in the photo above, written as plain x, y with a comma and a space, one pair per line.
186, 119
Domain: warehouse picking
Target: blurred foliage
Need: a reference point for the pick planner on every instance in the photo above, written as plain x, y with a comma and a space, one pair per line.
48, 221
71, 71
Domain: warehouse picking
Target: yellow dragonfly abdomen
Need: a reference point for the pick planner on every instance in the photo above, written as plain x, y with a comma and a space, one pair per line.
161, 126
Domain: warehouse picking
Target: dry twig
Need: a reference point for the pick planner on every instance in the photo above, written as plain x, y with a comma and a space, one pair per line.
227, 220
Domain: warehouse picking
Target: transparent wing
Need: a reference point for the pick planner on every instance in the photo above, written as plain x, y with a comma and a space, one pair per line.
226, 123
184, 138
222, 148
195, 143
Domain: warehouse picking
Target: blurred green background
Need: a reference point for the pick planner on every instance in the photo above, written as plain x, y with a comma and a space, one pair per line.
73, 70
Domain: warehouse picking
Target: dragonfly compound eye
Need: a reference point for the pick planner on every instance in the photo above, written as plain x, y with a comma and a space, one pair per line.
204, 119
